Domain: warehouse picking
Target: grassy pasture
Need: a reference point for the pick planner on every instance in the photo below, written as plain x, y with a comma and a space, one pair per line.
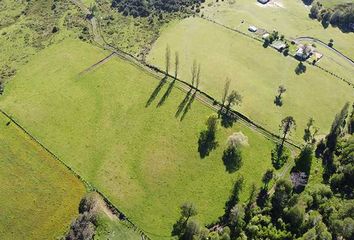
39, 196
144, 158
289, 17
255, 72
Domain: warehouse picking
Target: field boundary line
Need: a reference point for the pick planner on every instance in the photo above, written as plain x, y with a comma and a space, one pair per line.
97, 64
87, 184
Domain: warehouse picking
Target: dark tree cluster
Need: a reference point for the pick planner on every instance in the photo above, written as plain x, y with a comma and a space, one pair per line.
144, 8
341, 15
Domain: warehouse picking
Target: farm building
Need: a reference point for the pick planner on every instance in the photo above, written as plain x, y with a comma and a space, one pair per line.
279, 45
252, 29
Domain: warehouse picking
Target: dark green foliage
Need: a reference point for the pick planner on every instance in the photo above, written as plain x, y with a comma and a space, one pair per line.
295, 217
341, 15
144, 8
267, 177
317, 195
207, 142
234, 197
232, 158
337, 131
279, 156
304, 160
343, 179
188, 210
281, 197
300, 68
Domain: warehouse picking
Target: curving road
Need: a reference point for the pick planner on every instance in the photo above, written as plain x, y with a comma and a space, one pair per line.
311, 39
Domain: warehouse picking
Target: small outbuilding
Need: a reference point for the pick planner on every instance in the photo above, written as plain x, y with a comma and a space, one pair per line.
252, 29
279, 45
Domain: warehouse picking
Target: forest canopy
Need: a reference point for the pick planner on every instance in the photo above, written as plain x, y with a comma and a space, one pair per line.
144, 8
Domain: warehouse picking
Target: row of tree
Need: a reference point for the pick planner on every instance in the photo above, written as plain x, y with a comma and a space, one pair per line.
341, 15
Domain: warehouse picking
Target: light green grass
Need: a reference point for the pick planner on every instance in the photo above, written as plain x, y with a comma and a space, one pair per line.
255, 72
113, 229
289, 18
88, 2
144, 159
39, 196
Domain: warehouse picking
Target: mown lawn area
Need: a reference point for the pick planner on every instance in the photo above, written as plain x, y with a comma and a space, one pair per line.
143, 158
256, 72
39, 196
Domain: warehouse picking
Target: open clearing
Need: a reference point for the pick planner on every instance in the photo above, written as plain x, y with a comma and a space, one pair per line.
144, 159
39, 196
255, 72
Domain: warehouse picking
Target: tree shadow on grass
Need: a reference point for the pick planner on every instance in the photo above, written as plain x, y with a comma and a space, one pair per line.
227, 120
156, 91
206, 143
188, 106
183, 103
167, 93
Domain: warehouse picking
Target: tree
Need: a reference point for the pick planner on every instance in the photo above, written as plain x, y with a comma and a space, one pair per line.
351, 121
232, 158
225, 93
176, 64
310, 132
234, 98
251, 203
295, 216
234, 197
188, 210
267, 177
194, 71
300, 68
281, 197
191, 231
278, 100
197, 78
281, 90
286, 126
167, 59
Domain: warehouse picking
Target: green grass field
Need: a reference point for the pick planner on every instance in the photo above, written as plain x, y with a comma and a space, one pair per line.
256, 72
114, 230
289, 17
144, 159
39, 196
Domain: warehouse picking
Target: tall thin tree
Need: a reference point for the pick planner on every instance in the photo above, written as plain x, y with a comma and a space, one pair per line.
224, 95
194, 71
167, 59
197, 78
176, 64
286, 126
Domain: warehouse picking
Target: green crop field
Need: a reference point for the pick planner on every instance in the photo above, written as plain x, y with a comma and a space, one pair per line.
144, 158
39, 196
289, 17
256, 72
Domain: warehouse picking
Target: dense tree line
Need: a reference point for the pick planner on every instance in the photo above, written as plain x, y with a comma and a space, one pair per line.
143, 8
341, 15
